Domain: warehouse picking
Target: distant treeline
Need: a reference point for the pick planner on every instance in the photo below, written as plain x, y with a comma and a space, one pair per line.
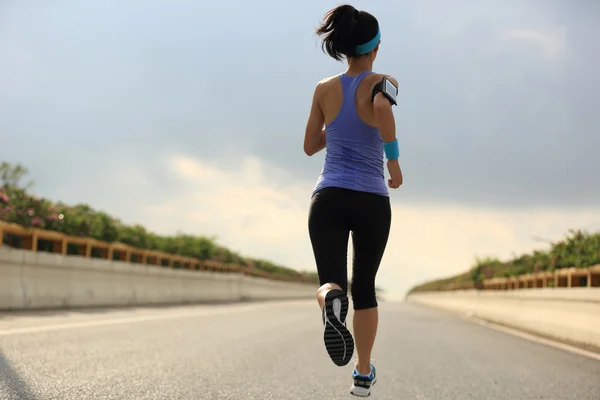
19, 206
578, 249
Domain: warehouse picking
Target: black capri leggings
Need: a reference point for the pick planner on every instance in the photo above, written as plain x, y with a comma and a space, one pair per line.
334, 213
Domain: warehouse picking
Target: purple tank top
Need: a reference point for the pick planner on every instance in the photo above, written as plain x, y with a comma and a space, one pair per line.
354, 153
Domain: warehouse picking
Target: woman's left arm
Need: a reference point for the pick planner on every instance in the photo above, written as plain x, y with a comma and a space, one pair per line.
314, 136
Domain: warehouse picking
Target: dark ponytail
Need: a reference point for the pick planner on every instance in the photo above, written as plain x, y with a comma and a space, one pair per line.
344, 28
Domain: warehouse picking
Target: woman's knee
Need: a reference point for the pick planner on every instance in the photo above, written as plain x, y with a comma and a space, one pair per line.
363, 295
364, 303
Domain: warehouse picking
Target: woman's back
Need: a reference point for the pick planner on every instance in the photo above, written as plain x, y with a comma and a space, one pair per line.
354, 152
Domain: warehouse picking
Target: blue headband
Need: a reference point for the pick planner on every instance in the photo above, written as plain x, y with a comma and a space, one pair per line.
370, 45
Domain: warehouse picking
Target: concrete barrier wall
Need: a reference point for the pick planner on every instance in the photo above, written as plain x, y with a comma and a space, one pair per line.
570, 314
34, 280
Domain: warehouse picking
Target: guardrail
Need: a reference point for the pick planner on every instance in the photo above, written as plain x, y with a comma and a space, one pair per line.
55, 242
563, 278
560, 278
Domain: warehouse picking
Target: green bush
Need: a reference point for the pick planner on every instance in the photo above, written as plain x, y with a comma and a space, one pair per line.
20, 207
578, 249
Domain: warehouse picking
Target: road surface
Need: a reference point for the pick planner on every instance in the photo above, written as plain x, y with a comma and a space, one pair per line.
273, 351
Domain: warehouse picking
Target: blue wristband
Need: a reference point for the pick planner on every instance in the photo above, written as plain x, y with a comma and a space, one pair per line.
392, 150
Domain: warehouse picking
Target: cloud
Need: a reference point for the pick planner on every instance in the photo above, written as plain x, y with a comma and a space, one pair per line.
249, 208
552, 42
484, 119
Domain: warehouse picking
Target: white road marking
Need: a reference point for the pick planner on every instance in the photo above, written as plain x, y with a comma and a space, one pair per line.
198, 312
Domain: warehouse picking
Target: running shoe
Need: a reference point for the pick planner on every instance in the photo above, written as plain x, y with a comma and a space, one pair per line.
362, 384
338, 339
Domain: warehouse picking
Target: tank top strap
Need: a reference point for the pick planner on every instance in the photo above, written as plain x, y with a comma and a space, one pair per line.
349, 87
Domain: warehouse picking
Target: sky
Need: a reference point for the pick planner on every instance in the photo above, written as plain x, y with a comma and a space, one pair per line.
189, 116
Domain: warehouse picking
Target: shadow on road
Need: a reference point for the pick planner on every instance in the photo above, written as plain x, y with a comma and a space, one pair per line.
11, 383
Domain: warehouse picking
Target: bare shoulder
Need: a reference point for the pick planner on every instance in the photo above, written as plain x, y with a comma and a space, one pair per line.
328, 82
325, 86
376, 78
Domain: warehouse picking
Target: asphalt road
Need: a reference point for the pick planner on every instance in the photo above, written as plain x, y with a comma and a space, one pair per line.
273, 351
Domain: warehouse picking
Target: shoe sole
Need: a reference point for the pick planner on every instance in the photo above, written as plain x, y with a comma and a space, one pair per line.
338, 339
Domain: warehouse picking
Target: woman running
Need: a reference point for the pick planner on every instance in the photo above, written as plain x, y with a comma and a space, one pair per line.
351, 193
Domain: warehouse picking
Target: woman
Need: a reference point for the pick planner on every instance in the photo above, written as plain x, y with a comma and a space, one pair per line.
351, 193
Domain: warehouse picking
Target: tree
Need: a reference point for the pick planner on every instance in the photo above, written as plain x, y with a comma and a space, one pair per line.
20, 207
12, 175
380, 293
